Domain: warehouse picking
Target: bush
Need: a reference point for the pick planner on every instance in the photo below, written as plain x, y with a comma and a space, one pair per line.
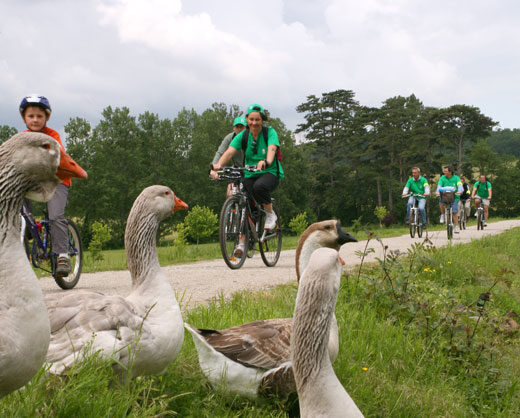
299, 223
201, 222
380, 212
389, 219
100, 235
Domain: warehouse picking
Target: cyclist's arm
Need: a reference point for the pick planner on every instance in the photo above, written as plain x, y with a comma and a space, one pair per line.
223, 160
271, 151
405, 190
490, 191
427, 190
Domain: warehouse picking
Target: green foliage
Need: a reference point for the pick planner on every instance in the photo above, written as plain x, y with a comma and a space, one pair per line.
100, 235
505, 142
380, 212
6, 132
299, 223
201, 222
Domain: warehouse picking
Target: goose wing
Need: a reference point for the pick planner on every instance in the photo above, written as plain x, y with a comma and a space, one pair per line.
108, 323
263, 344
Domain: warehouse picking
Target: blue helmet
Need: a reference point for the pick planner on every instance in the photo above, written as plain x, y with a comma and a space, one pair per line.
35, 100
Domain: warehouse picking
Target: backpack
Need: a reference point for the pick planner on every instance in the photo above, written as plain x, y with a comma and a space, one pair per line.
245, 137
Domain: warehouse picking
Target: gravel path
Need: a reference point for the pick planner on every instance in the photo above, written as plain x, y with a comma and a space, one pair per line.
199, 282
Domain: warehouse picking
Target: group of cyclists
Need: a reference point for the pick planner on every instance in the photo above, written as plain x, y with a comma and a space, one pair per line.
417, 188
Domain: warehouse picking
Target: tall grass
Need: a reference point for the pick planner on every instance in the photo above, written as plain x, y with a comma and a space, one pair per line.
413, 343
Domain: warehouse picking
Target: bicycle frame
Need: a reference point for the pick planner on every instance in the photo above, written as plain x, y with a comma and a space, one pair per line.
40, 241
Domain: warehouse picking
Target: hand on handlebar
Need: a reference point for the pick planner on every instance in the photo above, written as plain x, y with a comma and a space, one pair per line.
213, 174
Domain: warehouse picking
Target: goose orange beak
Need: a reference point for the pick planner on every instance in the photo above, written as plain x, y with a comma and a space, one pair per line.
69, 168
179, 205
341, 260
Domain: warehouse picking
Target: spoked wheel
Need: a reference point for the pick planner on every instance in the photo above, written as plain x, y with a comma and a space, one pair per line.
229, 233
271, 246
449, 226
479, 220
75, 257
419, 230
412, 224
251, 247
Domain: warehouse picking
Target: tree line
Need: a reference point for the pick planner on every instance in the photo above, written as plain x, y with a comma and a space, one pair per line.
342, 161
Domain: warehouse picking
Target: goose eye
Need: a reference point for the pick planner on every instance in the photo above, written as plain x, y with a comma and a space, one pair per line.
327, 227
46, 146
166, 193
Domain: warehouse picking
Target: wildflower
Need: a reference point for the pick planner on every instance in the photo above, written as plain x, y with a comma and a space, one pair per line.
365, 369
449, 262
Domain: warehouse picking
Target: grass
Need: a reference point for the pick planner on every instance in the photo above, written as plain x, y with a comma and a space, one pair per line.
413, 343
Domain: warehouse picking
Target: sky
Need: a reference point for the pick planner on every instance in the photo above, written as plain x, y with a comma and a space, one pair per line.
166, 55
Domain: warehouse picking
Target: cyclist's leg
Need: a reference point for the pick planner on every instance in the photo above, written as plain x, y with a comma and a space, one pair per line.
422, 210
485, 203
59, 227
229, 191
408, 208
443, 209
262, 188
454, 211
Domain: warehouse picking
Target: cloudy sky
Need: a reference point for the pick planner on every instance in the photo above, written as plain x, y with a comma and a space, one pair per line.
163, 55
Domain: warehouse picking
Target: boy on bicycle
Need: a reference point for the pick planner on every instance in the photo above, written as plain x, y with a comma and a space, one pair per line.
36, 111
451, 180
418, 185
482, 192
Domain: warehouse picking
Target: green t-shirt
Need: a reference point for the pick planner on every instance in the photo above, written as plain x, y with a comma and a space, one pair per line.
261, 152
482, 189
453, 181
417, 186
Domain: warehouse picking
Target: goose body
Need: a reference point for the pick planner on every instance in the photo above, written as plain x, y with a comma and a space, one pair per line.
320, 392
29, 166
142, 332
254, 358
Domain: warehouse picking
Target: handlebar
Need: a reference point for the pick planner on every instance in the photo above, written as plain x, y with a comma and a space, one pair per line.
233, 173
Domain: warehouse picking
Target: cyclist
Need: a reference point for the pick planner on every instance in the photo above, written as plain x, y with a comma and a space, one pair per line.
260, 152
449, 179
239, 124
465, 198
417, 184
36, 111
482, 192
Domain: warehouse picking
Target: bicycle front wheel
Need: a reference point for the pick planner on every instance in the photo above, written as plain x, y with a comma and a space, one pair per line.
271, 245
75, 257
231, 227
449, 225
479, 220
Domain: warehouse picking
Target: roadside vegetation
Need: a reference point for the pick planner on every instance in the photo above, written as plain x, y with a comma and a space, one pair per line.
433, 333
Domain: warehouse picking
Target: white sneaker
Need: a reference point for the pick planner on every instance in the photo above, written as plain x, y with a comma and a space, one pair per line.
270, 220
442, 219
485, 223
457, 229
476, 214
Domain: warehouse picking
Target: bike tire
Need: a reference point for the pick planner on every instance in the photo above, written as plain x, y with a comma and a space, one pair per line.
412, 231
251, 247
449, 226
479, 221
272, 246
419, 230
75, 257
229, 232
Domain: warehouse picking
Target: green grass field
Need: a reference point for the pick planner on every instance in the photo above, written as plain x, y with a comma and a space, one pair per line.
416, 340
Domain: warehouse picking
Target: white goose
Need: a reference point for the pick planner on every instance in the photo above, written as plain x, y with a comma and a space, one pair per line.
320, 392
254, 358
143, 332
31, 164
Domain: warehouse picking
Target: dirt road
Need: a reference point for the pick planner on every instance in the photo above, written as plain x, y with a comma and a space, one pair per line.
197, 283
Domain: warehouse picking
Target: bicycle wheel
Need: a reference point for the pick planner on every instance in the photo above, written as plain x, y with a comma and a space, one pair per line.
229, 232
251, 247
75, 257
479, 220
449, 224
419, 230
272, 245
411, 220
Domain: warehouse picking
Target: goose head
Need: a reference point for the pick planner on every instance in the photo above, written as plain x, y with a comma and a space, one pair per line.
37, 164
320, 234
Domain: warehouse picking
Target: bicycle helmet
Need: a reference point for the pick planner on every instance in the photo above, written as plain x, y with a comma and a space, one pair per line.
256, 108
240, 121
35, 100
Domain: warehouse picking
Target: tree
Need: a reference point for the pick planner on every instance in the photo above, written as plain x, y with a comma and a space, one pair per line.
6, 132
460, 126
202, 222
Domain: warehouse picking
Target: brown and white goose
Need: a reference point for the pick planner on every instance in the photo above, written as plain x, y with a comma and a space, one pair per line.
254, 358
142, 333
320, 393
32, 165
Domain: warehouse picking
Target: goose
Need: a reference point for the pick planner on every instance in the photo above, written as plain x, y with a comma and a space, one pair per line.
320, 393
143, 332
254, 358
32, 165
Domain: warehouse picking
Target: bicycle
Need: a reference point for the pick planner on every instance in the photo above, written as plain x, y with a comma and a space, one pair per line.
414, 219
242, 216
463, 220
447, 198
480, 217
39, 251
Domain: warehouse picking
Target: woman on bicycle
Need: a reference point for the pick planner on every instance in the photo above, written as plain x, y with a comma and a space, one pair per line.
261, 153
